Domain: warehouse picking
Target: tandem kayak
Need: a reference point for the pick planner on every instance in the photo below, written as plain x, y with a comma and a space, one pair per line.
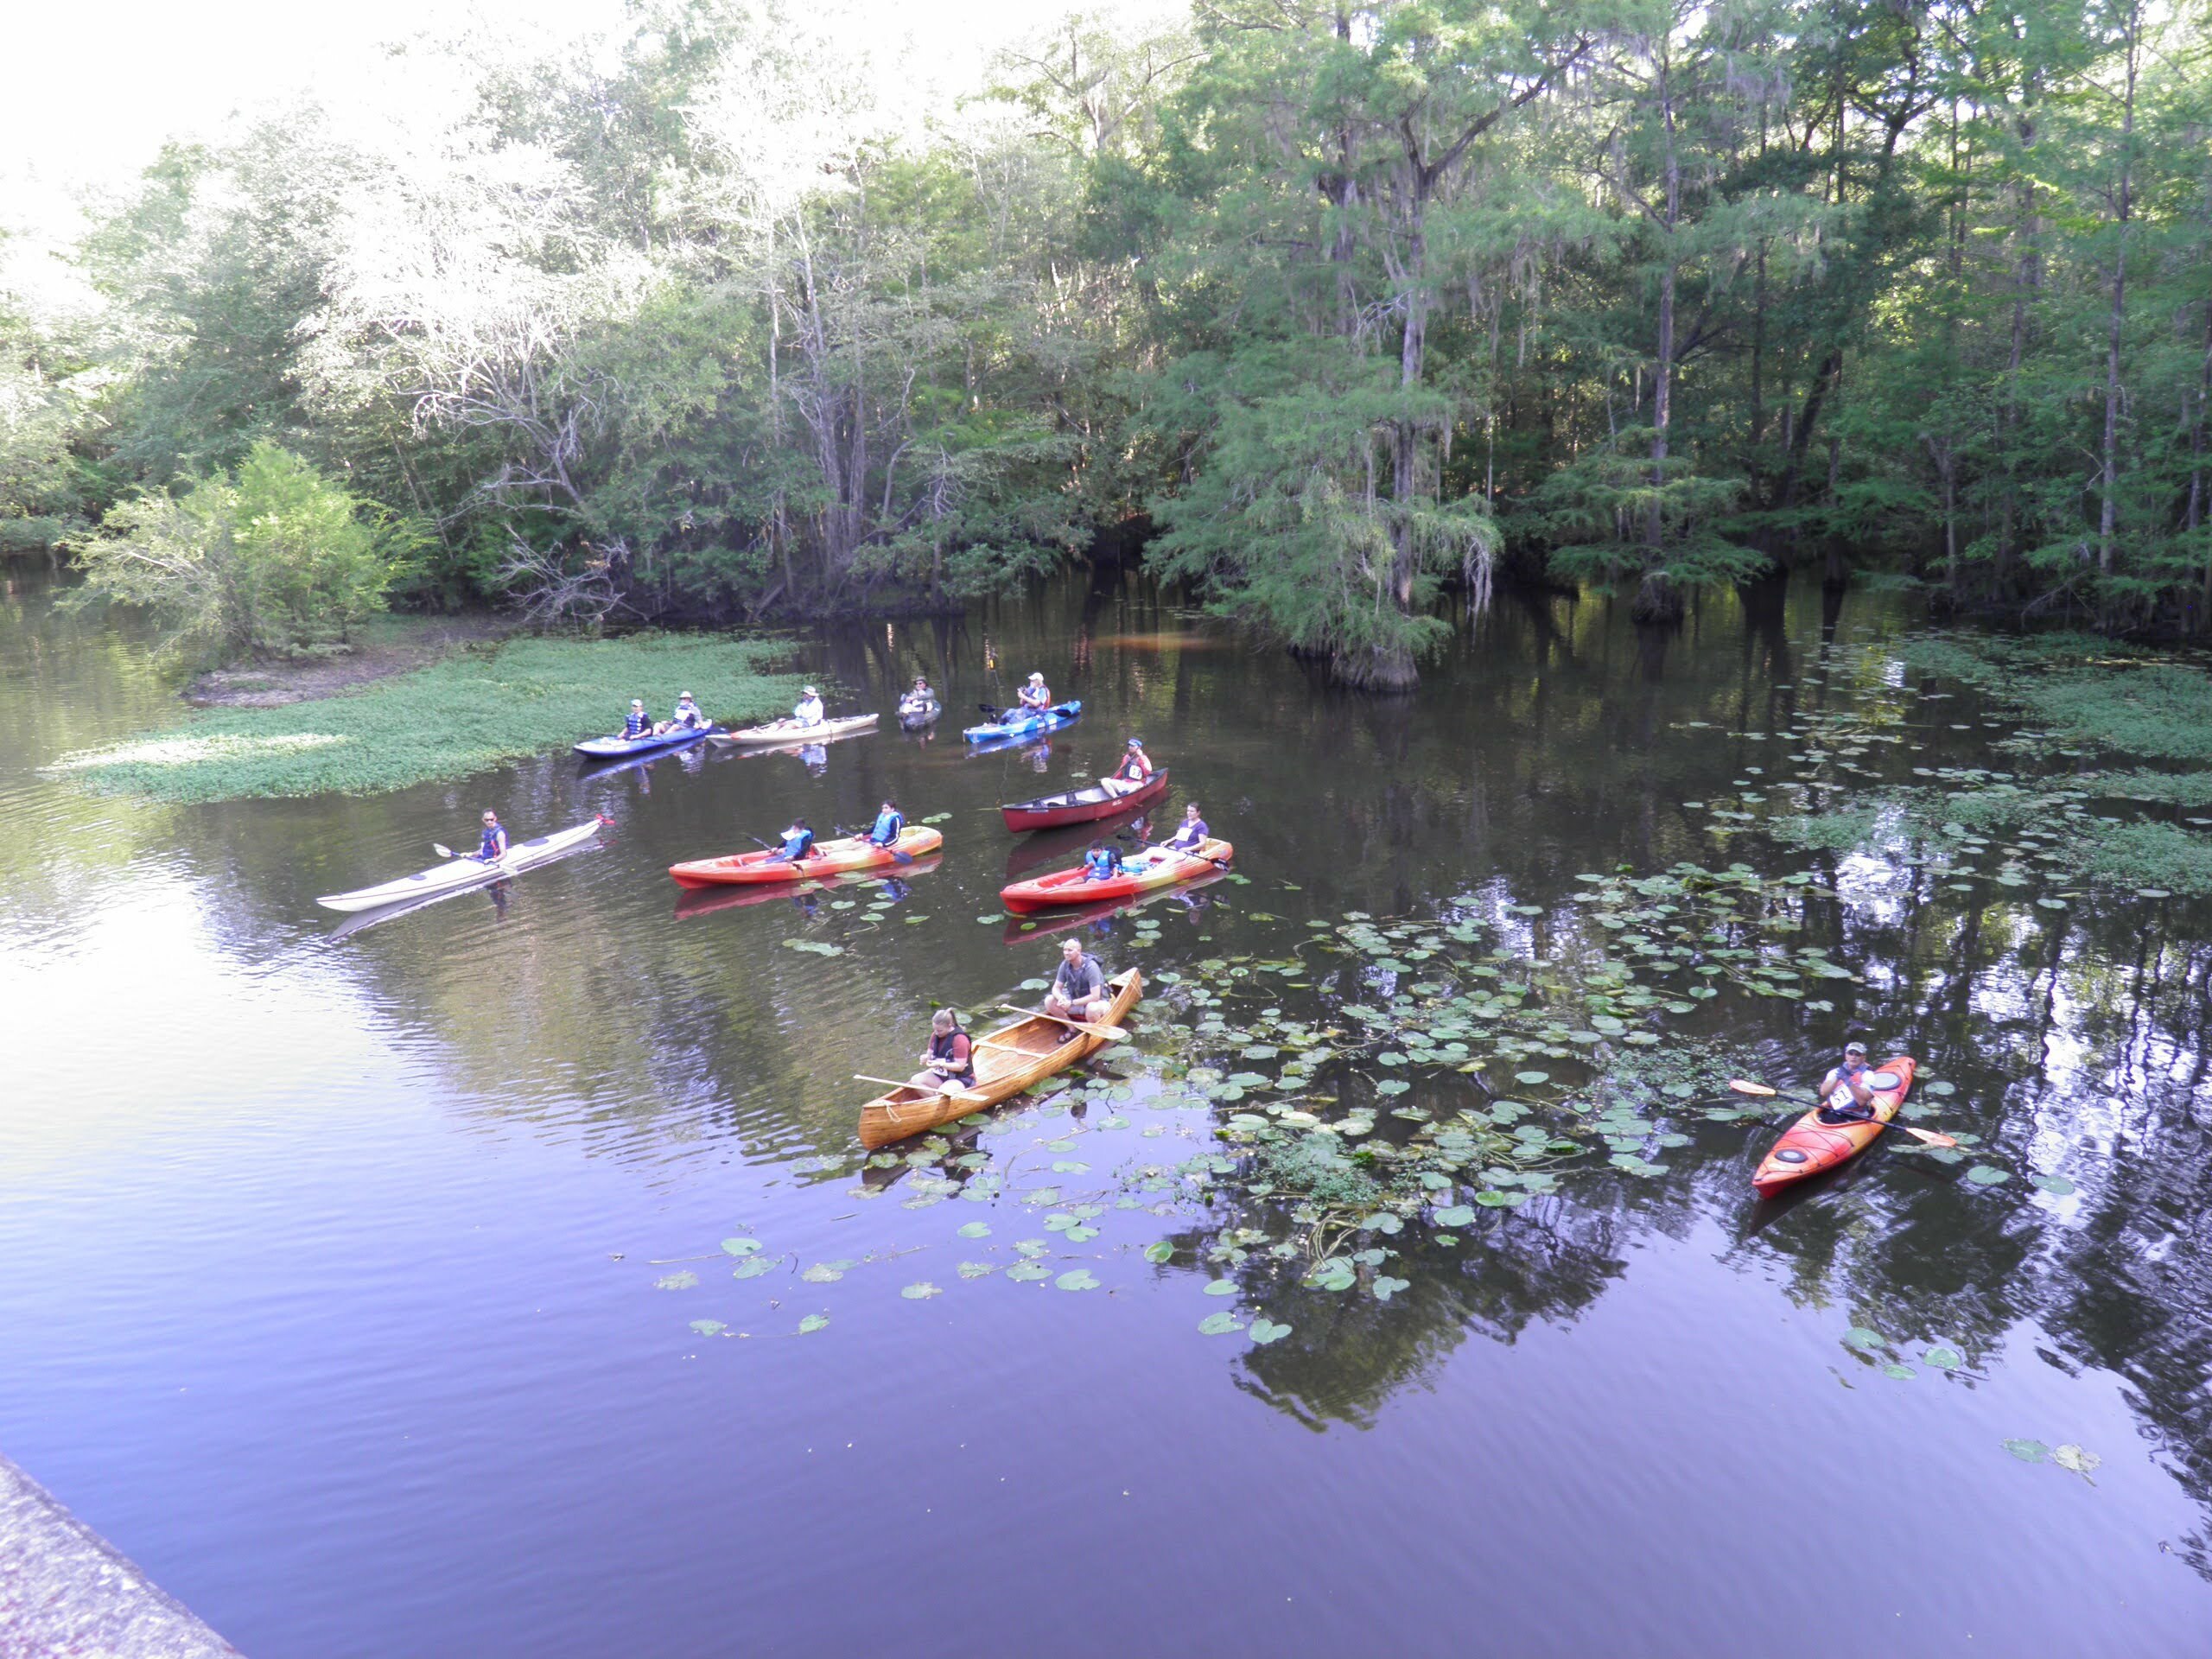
793, 731
1007, 1061
1104, 799
456, 874
705, 901
1025, 725
1139, 875
1809, 1146
621, 748
829, 858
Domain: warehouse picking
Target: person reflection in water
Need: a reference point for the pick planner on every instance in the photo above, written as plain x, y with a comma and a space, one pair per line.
816, 759
1040, 757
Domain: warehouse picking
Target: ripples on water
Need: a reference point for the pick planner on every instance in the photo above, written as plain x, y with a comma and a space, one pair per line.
332, 1260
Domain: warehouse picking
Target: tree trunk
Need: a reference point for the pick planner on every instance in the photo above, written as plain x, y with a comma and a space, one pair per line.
2108, 509
1664, 370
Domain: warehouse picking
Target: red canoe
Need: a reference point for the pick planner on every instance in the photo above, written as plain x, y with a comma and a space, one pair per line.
1159, 869
1808, 1146
1082, 805
829, 858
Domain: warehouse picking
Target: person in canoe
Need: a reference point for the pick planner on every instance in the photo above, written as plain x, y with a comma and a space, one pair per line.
1190, 835
684, 717
798, 843
494, 846
1103, 862
950, 1060
1036, 697
890, 824
639, 723
1079, 988
1850, 1076
807, 711
1134, 772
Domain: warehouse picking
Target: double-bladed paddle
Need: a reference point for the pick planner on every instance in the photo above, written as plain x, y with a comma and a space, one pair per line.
1744, 1086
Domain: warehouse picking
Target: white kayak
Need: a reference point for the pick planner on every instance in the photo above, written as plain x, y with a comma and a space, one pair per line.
458, 873
792, 731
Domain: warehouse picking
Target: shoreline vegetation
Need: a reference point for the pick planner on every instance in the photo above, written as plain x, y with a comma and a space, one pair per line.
475, 708
727, 315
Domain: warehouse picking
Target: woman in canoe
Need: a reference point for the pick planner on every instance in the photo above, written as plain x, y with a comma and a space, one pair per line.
807, 711
1036, 697
890, 824
1135, 770
1190, 835
1079, 988
949, 1062
494, 846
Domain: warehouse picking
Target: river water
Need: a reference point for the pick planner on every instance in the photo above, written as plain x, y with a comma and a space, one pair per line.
350, 1282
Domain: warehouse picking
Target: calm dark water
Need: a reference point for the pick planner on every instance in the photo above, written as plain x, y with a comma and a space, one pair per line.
331, 1272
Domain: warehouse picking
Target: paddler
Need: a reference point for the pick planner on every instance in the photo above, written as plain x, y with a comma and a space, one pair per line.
1036, 697
1079, 988
1135, 770
494, 846
921, 697
640, 724
890, 824
798, 843
1190, 835
807, 711
1849, 1077
684, 717
1103, 862
949, 1062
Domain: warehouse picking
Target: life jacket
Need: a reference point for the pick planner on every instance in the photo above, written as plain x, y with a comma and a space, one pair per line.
1135, 769
638, 724
888, 829
493, 845
797, 846
687, 714
1038, 701
955, 1045
1101, 864
807, 711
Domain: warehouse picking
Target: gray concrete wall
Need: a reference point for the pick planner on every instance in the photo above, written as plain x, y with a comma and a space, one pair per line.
66, 1592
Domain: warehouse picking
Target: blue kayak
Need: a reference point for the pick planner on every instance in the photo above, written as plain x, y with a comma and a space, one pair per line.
1025, 725
617, 748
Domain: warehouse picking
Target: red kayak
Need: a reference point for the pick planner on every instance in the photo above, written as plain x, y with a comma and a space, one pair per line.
1809, 1146
1142, 873
1102, 800
829, 858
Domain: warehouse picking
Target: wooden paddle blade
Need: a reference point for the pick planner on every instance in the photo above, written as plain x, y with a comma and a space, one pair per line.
1928, 1135
919, 1087
1744, 1086
1111, 1033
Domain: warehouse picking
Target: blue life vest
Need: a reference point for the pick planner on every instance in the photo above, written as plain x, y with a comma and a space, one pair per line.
889, 826
493, 845
797, 846
639, 725
1101, 864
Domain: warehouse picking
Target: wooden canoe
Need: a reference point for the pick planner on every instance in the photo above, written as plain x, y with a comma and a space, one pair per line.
1007, 1060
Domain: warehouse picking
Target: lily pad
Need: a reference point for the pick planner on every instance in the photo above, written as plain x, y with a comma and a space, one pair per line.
708, 1327
1988, 1175
1386, 1286
1456, 1214
1218, 1324
682, 1281
1159, 1250
921, 1292
975, 1230
1944, 1359
1222, 1288
1532, 1078
2057, 1186
1079, 1278
1264, 1330
1028, 1272
2028, 1451
812, 1322
741, 1246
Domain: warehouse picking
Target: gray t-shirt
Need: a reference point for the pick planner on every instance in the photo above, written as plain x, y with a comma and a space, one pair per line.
1080, 980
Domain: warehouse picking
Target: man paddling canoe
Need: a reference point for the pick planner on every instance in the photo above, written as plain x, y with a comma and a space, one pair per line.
949, 1062
1850, 1076
1079, 988
494, 846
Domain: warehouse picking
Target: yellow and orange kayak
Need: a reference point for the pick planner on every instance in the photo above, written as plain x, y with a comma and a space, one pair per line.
829, 858
1809, 1146
1155, 867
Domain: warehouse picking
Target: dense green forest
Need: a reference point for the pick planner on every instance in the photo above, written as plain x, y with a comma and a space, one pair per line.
1329, 306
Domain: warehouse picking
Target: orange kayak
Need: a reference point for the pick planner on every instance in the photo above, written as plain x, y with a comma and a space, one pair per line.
829, 858
1810, 1146
1141, 875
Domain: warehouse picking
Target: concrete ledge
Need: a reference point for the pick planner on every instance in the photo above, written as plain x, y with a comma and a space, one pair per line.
66, 1592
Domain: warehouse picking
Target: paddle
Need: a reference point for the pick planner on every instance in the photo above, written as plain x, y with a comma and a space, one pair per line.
920, 1088
896, 857
1743, 1086
1110, 1033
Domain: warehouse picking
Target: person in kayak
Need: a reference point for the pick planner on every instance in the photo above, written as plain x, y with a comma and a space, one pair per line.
798, 843
949, 1062
640, 724
919, 698
1103, 862
1036, 697
890, 824
807, 711
494, 846
1135, 770
1079, 988
1190, 834
1850, 1076
684, 717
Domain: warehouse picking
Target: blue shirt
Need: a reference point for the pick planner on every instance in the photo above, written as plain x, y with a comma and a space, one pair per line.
888, 829
798, 843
